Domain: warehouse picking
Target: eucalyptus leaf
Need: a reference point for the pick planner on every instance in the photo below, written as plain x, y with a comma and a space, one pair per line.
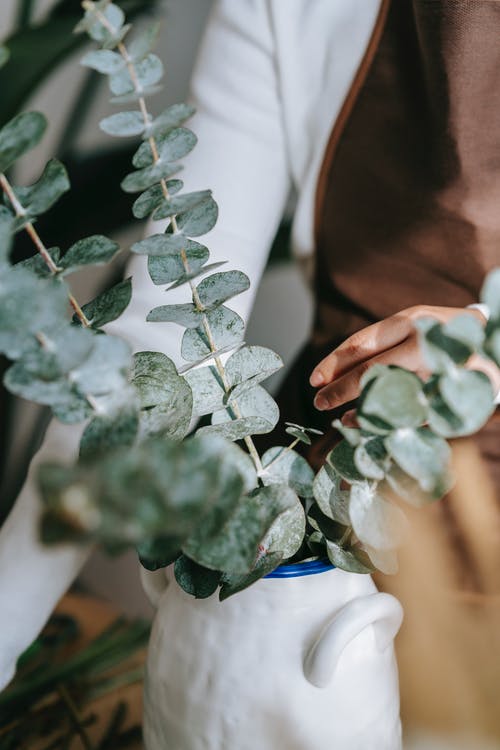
154, 375
195, 579
187, 277
107, 367
168, 208
151, 198
222, 286
424, 456
67, 403
104, 61
467, 329
165, 397
369, 458
284, 466
237, 429
199, 220
385, 560
166, 268
331, 499
57, 351
124, 124
148, 72
351, 434
106, 433
396, 396
158, 552
349, 559
28, 306
441, 350
96, 250
184, 314
20, 135
142, 179
227, 329
171, 418
233, 584
37, 265
210, 357
232, 544
102, 33
208, 390
341, 459
375, 520
302, 434
288, 528
39, 197
469, 394
172, 146
256, 402
172, 245
109, 305
141, 45
251, 365
170, 118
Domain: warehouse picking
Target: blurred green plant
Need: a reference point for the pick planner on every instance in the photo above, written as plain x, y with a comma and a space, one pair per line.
53, 693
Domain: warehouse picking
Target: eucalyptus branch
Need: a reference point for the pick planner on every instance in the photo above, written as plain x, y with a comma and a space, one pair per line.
89, 5
37, 241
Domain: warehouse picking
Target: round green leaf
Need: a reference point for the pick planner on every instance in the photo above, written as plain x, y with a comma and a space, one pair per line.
397, 397
21, 134
286, 467
375, 520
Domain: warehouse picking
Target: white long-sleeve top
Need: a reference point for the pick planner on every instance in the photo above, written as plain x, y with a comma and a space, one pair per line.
268, 85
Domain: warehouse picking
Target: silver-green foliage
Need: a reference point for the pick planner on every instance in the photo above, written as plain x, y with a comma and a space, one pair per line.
225, 515
255, 517
399, 453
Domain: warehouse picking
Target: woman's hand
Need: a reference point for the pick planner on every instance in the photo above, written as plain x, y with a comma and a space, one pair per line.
393, 341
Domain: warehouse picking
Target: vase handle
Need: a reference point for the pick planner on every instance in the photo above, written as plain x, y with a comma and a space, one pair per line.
382, 611
154, 584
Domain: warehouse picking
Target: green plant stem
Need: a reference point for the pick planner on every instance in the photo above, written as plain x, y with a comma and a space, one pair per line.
37, 241
24, 13
345, 536
89, 5
75, 717
282, 453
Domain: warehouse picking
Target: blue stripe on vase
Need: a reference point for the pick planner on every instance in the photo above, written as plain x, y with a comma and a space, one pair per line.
309, 568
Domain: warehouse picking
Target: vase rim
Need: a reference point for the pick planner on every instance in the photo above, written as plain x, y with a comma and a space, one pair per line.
306, 568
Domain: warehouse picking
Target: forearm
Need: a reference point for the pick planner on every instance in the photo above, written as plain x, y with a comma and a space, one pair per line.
33, 576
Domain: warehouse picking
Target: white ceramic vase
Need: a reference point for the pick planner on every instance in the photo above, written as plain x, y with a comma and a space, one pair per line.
300, 661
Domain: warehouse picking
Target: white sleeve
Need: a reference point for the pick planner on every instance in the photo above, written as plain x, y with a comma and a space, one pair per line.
241, 156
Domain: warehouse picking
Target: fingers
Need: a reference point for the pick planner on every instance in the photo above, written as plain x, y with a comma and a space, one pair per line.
347, 387
362, 345
349, 418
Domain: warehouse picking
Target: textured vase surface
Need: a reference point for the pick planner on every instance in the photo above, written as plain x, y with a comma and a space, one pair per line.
299, 663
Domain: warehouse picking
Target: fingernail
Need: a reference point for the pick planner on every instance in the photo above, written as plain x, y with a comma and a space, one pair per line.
321, 403
316, 379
